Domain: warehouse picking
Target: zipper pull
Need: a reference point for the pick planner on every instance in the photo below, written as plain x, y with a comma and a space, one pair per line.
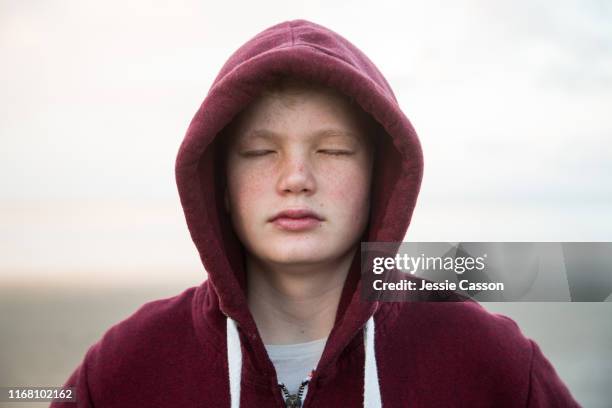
293, 400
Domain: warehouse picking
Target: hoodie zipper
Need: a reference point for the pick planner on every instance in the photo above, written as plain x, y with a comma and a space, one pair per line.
277, 390
293, 400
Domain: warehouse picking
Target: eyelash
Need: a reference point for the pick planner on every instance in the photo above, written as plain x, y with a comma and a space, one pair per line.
337, 152
258, 153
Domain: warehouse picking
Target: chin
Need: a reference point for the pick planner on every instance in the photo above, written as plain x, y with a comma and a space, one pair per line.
296, 254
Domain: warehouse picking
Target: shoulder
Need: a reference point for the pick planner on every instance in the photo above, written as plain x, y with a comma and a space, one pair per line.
468, 320
155, 329
461, 346
458, 344
138, 360
169, 313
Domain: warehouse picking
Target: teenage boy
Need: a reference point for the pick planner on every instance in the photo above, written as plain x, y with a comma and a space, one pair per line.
298, 153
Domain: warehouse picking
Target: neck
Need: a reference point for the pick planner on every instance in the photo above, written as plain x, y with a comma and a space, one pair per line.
296, 303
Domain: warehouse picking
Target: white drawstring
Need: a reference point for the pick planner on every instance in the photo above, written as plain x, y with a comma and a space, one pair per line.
234, 362
371, 386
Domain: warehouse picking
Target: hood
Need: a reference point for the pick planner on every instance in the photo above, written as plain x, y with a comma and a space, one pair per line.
310, 51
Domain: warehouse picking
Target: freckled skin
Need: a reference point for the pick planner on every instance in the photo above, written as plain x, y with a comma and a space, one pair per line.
298, 171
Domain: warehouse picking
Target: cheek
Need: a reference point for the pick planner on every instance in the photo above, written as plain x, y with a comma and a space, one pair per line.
244, 188
243, 200
349, 188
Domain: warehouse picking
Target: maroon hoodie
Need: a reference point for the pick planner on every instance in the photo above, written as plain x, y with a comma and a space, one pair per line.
174, 352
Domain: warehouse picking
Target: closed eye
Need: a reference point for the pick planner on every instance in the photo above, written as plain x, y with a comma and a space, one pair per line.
334, 152
256, 153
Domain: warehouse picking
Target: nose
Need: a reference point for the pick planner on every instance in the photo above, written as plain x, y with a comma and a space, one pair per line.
296, 175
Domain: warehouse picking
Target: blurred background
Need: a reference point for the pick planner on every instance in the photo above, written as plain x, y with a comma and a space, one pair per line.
509, 100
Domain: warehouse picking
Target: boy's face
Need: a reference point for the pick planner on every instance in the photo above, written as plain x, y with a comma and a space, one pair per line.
299, 151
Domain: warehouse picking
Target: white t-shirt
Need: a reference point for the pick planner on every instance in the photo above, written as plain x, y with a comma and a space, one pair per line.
294, 362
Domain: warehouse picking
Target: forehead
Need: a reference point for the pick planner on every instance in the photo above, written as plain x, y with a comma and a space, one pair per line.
309, 113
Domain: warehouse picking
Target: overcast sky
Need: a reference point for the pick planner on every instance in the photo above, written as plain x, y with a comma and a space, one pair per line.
511, 101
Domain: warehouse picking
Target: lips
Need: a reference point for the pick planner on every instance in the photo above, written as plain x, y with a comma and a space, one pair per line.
296, 219
297, 213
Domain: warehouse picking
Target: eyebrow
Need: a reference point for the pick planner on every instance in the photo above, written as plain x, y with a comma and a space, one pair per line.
326, 132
